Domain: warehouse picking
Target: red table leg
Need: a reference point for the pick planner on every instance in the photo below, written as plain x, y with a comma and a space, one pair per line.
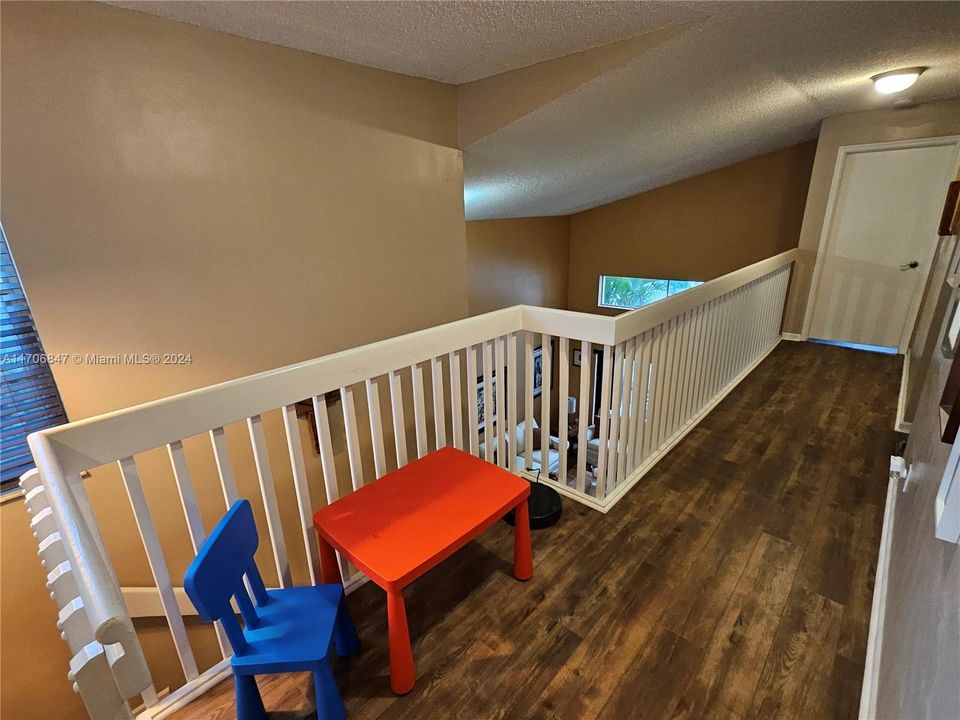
402, 672
522, 551
329, 567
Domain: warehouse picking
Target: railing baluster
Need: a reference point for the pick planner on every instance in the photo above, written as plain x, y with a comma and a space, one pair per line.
781, 300
261, 460
586, 357
759, 310
604, 422
709, 355
328, 463
690, 343
723, 337
744, 330
769, 300
630, 378
158, 565
743, 317
489, 398
676, 382
221, 455
188, 498
291, 428
745, 320
456, 400
511, 430
653, 406
472, 410
419, 409
439, 411
191, 512
399, 425
348, 402
376, 427
503, 456
528, 399
616, 411
563, 419
666, 385
696, 368
641, 448
546, 366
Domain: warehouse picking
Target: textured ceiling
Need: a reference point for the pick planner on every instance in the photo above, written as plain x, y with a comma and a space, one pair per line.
446, 40
749, 79
718, 82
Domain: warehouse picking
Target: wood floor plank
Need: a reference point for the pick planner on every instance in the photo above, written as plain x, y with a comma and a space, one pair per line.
735, 580
795, 679
727, 678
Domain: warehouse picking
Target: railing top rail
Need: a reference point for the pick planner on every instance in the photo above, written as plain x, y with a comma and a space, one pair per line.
102, 439
612, 330
95, 441
633, 323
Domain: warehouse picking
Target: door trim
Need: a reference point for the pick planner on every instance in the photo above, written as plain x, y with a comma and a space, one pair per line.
828, 218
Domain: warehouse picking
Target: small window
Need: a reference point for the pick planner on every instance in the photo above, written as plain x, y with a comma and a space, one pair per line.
30, 400
628, 292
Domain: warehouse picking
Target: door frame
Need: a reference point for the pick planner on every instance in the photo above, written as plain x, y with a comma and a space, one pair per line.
829, 217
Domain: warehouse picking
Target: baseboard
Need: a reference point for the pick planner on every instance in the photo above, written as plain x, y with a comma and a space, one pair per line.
900, 424
871, 670
793, 337
614, 497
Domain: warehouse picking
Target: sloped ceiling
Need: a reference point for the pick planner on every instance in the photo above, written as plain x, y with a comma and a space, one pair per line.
569, 105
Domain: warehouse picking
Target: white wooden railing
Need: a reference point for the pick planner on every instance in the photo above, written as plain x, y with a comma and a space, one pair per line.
661, 369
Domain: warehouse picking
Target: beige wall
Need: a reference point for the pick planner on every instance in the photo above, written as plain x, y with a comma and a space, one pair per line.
518, 261
927, 120
695, 229
167, 188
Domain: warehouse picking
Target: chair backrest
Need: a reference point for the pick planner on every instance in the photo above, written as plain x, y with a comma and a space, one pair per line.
216, 575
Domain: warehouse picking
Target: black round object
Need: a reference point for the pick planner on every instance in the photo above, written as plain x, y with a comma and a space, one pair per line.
545, 506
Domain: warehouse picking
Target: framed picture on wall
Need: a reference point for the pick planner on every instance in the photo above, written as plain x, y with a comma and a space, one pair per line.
481, 401
537, 371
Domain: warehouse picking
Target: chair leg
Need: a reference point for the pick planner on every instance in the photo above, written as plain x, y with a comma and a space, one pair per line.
249, 702
522, 550
329, 706
402, 672
344, 634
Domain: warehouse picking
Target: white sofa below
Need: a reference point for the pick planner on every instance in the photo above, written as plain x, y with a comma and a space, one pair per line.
520, 463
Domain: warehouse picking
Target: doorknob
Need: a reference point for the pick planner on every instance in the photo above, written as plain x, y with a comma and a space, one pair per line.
912, 265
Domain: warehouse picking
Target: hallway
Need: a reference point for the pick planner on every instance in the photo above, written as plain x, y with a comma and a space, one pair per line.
735, 580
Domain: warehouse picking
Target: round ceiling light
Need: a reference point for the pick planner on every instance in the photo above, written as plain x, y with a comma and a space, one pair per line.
896, 80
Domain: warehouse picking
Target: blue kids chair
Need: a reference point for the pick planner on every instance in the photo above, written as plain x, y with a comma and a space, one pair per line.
287, 630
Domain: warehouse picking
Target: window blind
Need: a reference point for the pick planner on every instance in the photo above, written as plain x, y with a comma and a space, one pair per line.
29, 400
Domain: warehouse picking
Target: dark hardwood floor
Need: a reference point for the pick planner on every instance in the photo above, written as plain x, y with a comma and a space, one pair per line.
735, 580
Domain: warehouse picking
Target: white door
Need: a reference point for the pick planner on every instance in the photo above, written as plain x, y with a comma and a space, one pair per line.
879, 237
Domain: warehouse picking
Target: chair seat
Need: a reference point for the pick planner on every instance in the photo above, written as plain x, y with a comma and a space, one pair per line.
295, 630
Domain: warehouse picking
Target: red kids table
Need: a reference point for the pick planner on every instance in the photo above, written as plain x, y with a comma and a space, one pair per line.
408, 521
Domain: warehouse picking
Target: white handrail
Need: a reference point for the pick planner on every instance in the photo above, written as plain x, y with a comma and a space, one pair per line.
102, 600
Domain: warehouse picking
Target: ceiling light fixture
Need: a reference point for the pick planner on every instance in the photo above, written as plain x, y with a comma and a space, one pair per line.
894, 81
